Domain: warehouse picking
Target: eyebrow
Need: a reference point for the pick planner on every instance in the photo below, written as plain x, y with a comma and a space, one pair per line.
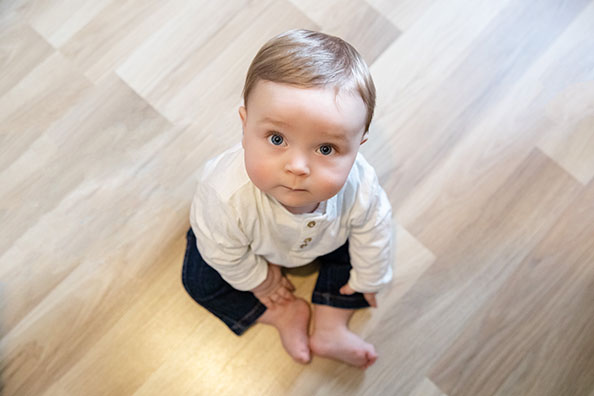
333, 136
324, 134
273, 121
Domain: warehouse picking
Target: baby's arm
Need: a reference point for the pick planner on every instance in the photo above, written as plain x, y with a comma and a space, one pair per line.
370, 239
276, 288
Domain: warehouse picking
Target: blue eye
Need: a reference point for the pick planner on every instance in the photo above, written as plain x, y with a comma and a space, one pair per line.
326, 149
277, 140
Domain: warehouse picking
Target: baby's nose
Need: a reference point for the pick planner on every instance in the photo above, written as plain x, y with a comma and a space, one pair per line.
297, 164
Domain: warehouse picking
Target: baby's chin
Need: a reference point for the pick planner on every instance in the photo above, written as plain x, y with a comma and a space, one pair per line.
294, 204
298, 199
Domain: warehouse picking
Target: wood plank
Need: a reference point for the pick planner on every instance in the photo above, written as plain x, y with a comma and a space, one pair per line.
111, 119
405, 84
427, 388
57, 21
404, 13
107, 40
210, 80
22, 50
175, 46
571, 141
495, 145
354, 21
542, 314
47, 98
497, 58
118, 359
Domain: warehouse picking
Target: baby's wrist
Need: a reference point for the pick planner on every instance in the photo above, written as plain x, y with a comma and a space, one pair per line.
266, 288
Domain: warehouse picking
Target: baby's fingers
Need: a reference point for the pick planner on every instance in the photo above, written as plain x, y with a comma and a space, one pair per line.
285, 295
287, 284
370, 297
346, 289
267, 301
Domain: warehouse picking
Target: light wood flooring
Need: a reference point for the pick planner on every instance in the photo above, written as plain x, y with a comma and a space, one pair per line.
483, 140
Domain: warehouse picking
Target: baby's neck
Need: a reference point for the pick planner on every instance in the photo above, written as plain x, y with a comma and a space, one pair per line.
302, 209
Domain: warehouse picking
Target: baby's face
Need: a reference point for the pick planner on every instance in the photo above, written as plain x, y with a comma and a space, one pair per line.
300, 143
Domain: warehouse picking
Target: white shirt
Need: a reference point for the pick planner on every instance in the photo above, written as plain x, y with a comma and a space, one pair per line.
239, 228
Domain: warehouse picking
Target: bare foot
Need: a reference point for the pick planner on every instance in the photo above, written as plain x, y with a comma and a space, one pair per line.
292, 322
332, 338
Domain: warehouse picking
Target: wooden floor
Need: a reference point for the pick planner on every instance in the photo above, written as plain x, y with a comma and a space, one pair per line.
483, 140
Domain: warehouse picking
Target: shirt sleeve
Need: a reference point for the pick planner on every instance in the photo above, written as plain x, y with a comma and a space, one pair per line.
222, 243
371, 239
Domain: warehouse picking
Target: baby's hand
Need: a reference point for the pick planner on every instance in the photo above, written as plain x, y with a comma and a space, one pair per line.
369, 297
281, 295
276, 289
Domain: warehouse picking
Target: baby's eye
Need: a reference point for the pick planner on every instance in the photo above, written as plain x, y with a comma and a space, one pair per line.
275, 139
326, 149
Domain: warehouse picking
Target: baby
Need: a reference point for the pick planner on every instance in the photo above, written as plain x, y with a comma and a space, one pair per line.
296, 189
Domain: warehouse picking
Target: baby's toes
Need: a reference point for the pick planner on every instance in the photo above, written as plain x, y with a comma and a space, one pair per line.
371, 357
303, 356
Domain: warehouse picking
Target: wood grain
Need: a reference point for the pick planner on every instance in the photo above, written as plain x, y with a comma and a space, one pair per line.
483, 140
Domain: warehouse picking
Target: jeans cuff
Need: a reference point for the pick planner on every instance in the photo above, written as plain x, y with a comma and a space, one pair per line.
353, 301
248, 320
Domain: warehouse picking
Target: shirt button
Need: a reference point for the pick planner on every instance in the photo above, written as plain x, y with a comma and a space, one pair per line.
311, 224
302, 246
306, 240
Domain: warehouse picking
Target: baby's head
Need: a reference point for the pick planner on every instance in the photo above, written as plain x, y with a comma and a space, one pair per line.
308, 59
308, 102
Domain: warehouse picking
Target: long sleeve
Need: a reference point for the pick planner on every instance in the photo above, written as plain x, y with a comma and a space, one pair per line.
371, 239
222, 243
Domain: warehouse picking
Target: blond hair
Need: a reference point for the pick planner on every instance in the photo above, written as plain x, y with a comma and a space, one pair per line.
311, 59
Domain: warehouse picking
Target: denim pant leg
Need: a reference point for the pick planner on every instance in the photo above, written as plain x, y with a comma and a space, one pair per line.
237, 309
334, 273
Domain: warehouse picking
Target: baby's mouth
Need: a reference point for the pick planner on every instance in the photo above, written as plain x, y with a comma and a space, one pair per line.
294, 189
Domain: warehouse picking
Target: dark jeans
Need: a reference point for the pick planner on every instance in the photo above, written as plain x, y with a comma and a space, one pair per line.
240, 309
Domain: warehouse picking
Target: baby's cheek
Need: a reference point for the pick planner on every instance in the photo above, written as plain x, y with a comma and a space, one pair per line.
258, 171
332, 181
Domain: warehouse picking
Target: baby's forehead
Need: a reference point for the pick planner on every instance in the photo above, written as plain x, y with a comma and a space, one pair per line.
281, 93
347, 88
324, 108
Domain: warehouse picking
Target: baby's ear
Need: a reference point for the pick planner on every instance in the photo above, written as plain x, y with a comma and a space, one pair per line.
243, 115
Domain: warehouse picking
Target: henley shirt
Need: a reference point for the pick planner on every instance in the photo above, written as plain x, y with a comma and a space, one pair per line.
239, 228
